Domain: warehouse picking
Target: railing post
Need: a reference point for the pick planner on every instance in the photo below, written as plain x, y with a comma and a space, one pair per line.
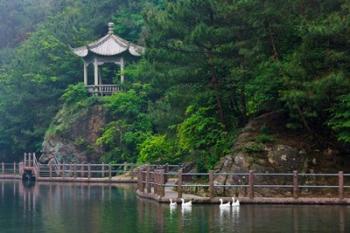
211, 184
179, 184
50, 171
158, 182
155, 181
30, 160
82, 171
70, 173
132, 172
14, 168
140, 180
62, 170
341, 185
162, 183
148, 176
143, 179
103, 170
251, 185
125, 166
25, 159
166, 171
74, 171
110, 172
2, 168
295, 184
89, 171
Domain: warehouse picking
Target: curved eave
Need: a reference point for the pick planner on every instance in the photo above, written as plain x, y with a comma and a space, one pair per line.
109, 45
81, 51
136, 50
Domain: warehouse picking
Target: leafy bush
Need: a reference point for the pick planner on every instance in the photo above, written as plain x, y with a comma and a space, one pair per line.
157, 150
128, 104
75, 93
203, 136
129, 127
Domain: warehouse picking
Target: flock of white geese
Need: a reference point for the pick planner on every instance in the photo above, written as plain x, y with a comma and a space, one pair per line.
222, 205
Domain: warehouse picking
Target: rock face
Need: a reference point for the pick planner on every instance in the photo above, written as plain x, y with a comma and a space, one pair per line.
277, 151
72, 135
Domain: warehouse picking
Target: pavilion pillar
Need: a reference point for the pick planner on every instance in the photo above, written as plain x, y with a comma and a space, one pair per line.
95, 72
122, 70
85, 74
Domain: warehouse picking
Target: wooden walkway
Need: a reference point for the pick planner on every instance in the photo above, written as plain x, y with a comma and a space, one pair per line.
162, 185
30, 168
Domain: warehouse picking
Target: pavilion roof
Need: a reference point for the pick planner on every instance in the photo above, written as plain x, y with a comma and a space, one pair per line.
109, 45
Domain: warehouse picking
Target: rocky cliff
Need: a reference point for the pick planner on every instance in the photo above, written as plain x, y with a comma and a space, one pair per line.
73, 133
266, 146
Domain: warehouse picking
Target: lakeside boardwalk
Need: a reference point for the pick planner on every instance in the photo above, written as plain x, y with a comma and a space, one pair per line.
161, 185
164, 182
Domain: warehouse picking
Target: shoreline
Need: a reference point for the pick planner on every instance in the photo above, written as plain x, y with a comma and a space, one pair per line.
248, 201
195, 199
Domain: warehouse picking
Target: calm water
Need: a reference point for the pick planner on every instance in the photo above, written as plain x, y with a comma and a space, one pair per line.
75, 208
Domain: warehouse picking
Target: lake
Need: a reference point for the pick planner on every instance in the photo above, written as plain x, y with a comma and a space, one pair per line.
81, 208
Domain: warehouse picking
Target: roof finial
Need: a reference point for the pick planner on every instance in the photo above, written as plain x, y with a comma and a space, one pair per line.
110, 28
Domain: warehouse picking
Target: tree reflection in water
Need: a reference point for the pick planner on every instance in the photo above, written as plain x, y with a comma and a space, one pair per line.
81, 208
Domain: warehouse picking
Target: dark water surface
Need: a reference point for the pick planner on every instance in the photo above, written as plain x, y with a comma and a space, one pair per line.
76, 208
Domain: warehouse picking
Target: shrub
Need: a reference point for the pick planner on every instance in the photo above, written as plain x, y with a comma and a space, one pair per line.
75, 93
157, 150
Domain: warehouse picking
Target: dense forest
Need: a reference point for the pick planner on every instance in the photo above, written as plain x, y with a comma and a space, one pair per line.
210, 66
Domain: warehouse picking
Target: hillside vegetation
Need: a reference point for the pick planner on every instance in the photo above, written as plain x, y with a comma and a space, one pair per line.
210, 66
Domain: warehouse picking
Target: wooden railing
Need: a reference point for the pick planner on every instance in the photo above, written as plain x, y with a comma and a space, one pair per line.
85, 170
9, 168
103, 89
59, 171
156, 180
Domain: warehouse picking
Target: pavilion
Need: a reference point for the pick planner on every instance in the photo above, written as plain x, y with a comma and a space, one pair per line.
108, 49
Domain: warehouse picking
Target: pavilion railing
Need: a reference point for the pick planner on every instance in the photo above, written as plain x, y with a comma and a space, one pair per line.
103, 89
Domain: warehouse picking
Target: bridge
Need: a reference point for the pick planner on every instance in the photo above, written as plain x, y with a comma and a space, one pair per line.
31, 169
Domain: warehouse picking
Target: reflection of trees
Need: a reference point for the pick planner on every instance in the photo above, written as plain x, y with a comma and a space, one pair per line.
82, 208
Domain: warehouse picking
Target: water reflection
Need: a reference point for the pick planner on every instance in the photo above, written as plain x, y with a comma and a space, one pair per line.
81, 208
186, 210
253, 218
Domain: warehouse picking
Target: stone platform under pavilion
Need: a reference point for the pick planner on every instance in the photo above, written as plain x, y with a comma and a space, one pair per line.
108, 49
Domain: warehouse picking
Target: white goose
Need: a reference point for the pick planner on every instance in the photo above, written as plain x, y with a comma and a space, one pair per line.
186, 204
172, 204
224, 205
235, 202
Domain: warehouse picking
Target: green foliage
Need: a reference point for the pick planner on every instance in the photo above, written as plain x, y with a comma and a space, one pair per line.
157, 149
340, 118
129, 127
127, 104
203, 135
222, 61
75, 93
254, 148
40, 66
